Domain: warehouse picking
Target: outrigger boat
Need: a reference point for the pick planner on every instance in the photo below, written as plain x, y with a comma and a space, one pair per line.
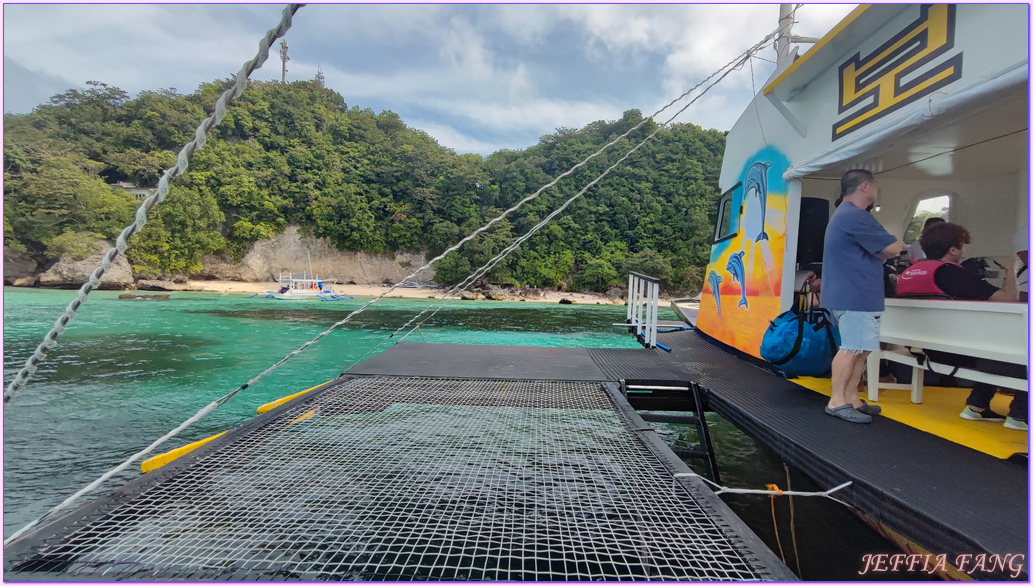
934, 101
303, 288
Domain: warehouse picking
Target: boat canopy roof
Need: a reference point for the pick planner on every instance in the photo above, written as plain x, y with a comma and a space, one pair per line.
861, 23
898, 87
978, 132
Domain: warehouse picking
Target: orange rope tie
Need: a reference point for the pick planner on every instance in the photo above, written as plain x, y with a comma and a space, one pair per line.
774, 520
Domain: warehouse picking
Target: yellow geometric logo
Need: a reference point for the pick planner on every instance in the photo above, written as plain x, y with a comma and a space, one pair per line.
892, 76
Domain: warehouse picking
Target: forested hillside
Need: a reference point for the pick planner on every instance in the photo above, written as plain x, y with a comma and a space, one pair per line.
297, 154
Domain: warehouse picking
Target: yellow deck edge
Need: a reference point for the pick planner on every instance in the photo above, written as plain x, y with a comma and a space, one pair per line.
278, 402
939, 414
817, 47
162, 459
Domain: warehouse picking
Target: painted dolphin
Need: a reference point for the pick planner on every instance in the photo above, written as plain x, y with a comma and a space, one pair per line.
714, 280
755, 189
738, 271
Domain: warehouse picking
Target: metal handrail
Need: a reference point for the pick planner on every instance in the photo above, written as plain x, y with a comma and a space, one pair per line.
643, 307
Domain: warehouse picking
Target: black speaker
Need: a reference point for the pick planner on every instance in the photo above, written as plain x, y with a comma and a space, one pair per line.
814, 218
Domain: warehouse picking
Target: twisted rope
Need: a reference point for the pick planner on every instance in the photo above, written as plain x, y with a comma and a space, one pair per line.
182, 162
141, 218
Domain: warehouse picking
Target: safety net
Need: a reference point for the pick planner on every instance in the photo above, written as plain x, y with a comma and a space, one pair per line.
393, 478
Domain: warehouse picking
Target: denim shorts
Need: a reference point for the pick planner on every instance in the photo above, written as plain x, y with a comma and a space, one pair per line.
859, 330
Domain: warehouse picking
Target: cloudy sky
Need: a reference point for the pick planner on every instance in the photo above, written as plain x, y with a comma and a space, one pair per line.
476, 77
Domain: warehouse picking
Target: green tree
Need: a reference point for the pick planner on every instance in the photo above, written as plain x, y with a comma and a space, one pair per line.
175, 240
452, 269
298, 154
598, 275
651, 263
61, 196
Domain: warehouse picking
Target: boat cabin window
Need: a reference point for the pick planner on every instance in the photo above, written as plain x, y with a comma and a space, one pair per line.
728, 213
935, 206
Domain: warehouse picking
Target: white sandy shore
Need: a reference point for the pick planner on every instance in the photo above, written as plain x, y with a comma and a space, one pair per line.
400, 293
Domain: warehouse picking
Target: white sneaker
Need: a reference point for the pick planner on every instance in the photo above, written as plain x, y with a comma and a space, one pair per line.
1016, 424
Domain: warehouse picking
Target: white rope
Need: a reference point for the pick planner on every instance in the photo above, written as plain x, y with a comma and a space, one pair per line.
182, 161
68, 501
725, 489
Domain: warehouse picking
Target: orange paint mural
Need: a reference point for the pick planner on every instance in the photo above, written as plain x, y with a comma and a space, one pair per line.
743, 285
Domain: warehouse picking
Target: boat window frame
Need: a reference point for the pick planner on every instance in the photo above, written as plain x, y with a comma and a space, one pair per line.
913, 210
728, 198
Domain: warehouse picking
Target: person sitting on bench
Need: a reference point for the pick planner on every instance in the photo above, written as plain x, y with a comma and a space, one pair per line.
915, 253
941, 276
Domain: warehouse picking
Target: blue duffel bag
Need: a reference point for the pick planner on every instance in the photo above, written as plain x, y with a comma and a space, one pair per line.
801, 343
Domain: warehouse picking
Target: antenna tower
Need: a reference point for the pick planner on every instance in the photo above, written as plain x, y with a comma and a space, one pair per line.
284, 59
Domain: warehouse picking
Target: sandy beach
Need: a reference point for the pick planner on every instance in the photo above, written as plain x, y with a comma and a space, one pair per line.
238, 287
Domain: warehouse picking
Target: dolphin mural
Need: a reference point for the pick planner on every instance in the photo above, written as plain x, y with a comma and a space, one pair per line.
755, 190
738, 272
714, 280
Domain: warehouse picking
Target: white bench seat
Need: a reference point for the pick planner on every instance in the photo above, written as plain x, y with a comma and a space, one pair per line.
980, 329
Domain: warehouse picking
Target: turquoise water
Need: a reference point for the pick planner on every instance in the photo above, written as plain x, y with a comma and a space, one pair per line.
127, 372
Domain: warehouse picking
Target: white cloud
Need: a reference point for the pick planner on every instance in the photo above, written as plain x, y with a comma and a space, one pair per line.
461, 143
466, 51
473, 73
526, 24
814, 20
132, 46
25, 89
534, 113
381, 24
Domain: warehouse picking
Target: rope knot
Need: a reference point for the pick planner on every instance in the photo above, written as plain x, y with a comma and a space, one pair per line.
775, 489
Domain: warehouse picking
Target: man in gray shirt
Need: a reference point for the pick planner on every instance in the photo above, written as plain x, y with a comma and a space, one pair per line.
856, 245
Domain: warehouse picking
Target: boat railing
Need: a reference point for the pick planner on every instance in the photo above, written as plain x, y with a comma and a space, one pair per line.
643, 307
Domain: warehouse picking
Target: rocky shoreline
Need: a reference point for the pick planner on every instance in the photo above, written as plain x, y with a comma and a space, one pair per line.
357, 274
488, 293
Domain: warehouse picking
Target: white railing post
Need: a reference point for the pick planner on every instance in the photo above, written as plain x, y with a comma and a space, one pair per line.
654, 309
644, 307
641, 306
631, 295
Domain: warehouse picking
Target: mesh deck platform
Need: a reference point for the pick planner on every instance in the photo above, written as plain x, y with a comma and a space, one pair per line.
392, 478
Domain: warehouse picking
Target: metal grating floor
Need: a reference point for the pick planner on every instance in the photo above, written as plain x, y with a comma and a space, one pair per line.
391, 478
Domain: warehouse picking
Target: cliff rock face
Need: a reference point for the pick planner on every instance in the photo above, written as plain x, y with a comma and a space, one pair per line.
291, 252
222, 268
69, 273
18, 266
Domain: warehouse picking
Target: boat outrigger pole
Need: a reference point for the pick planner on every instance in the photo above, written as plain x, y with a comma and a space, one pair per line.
786, 19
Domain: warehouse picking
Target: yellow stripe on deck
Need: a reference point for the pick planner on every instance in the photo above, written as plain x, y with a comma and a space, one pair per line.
939, 414
303, 417
162, 459
278, 402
